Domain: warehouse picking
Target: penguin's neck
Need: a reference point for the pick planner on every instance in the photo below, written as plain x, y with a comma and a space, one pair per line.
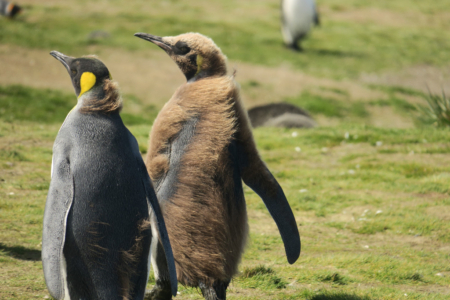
211, 66
210, 72
103, 99
96, 92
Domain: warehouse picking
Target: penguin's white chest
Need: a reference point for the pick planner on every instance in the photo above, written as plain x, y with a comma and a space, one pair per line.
298, 16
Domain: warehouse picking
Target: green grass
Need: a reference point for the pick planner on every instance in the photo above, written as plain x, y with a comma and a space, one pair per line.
329, 107
260, 277
36, 105
379, 226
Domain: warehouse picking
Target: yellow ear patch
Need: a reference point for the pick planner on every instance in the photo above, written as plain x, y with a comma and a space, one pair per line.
199, 64
87, 81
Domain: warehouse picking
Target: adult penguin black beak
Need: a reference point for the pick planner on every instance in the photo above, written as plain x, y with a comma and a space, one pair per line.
64, 59
155, 40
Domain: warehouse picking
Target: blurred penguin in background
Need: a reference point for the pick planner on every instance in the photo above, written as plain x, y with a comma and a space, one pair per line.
280, 115
8, 9
297, 17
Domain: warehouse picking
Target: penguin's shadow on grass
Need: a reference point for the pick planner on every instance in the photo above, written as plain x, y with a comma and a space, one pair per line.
335, 53
20, 252
339, 296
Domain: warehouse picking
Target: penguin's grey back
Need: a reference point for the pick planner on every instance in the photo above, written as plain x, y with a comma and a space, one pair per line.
109, 210
101, 150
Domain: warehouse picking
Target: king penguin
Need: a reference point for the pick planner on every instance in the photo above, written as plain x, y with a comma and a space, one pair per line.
297, 18
201, 148
8, 9
101, 211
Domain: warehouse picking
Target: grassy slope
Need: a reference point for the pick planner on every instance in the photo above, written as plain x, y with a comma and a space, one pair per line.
374, 219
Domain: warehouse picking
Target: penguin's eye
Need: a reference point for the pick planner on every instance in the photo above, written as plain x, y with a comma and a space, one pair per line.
181, 48
184, 49
74, 72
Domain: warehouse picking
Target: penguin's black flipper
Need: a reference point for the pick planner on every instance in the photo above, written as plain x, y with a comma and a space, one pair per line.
57, 207
153, 201
256, 175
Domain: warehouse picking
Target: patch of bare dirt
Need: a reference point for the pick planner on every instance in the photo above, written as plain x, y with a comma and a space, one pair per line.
42, 2
386, 117
376, 16
153, 77
386, 17
440, 212
274, 84
420, 77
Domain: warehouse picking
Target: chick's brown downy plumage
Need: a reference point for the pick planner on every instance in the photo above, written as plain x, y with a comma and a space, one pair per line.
201, 147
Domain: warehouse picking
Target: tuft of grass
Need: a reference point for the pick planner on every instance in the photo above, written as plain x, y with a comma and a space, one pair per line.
337, 296
437, 111
334, 278
417, 277
370, 228
258, 270
261, 277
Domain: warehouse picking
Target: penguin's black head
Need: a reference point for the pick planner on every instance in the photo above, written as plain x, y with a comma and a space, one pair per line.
195, 54
86, 73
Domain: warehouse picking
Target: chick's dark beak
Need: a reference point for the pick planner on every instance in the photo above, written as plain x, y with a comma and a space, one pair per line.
155, 40
64, 59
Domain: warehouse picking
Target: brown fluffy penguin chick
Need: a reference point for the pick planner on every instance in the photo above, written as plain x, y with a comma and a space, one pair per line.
201, 147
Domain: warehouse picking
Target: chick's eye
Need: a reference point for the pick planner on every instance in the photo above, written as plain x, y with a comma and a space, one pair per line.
181, 48
74, 72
